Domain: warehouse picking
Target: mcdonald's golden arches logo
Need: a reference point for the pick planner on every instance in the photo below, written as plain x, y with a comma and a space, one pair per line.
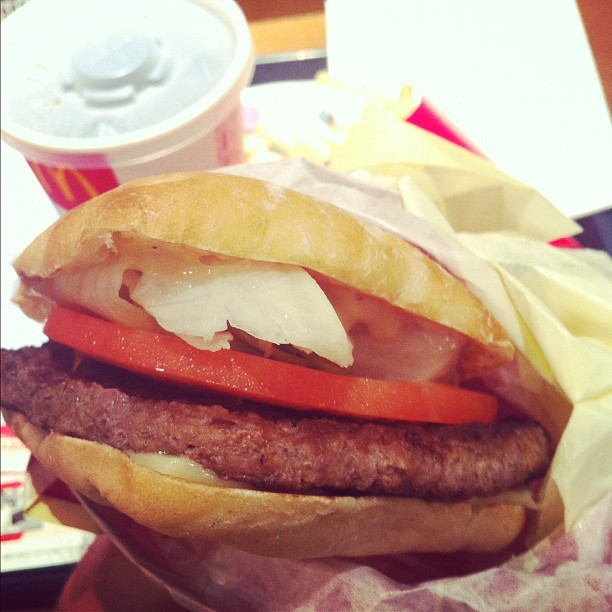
68, 186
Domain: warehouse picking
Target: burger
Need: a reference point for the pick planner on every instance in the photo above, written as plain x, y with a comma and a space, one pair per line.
237, 362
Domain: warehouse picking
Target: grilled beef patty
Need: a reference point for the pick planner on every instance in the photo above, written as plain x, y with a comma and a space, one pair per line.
268, 448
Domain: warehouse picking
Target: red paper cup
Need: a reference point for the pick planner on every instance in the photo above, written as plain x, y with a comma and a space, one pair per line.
95, 94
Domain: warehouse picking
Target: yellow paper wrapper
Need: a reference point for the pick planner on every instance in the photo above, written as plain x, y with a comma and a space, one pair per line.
470, 192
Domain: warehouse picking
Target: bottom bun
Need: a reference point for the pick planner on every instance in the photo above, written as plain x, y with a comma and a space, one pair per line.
271, 524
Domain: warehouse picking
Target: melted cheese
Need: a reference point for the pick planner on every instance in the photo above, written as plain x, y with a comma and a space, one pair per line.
389, 343
182, 467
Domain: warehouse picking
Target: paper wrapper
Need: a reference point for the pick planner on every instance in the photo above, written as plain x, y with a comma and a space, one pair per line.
572, 572
491, 231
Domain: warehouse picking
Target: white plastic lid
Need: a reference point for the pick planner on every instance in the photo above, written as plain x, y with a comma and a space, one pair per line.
92, 75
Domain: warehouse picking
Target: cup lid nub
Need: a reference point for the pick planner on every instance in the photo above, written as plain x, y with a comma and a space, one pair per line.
114, 69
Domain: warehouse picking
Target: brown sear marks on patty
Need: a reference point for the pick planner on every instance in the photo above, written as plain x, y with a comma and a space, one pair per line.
269, 448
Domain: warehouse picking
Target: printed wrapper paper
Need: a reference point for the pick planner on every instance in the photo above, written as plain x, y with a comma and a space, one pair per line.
571, 572
556, 305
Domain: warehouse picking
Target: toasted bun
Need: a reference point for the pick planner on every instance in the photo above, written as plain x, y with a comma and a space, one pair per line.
271, 524
241, 217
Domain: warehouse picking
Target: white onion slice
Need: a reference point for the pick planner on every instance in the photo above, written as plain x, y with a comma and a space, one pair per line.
98, 289
279, 303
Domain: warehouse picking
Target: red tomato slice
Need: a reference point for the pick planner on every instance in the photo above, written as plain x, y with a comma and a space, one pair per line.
167, 357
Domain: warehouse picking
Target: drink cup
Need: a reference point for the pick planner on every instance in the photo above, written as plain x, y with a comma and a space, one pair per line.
97, 93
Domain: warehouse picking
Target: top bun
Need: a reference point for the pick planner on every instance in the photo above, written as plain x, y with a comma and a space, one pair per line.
247, 218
